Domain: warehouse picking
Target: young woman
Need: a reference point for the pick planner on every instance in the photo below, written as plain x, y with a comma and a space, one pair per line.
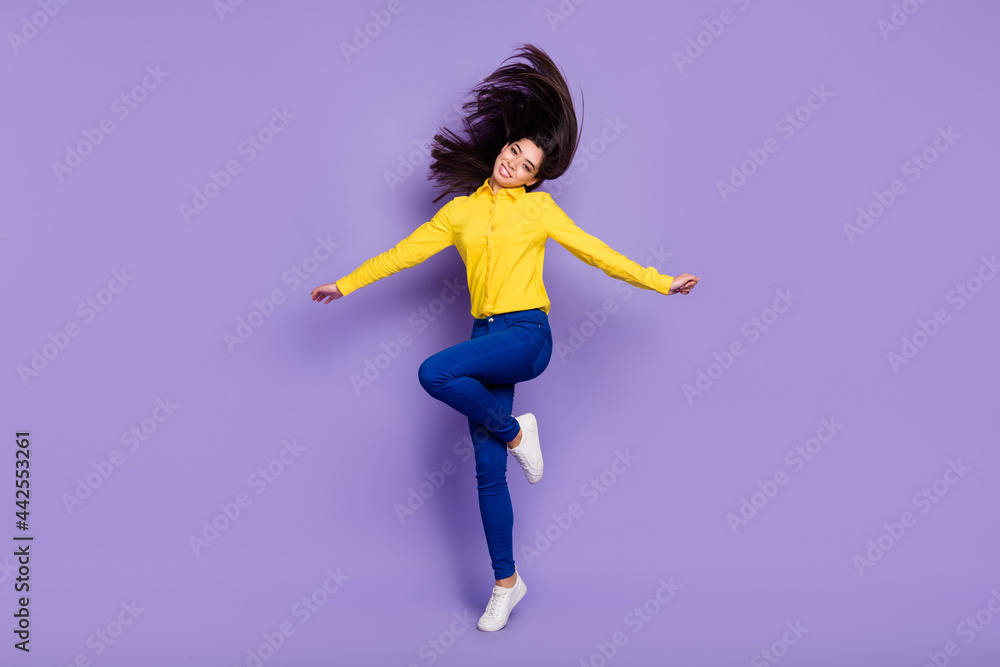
521, 130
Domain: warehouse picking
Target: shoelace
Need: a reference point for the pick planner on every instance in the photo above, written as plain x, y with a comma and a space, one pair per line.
496, 602
521, 458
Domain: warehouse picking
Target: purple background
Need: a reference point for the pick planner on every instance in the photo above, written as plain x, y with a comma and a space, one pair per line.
652, 183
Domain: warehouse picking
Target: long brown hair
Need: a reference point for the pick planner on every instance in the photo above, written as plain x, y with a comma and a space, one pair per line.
527, 100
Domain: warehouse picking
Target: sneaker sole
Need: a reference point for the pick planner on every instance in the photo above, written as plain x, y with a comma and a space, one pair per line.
532, 424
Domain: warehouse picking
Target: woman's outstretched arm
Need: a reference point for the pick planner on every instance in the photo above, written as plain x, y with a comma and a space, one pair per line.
596, 252
428, 239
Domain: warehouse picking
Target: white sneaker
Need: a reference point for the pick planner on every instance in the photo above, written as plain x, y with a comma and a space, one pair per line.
501, 603
529, 451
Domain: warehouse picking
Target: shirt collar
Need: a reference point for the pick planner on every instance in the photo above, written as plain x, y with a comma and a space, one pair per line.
513, 193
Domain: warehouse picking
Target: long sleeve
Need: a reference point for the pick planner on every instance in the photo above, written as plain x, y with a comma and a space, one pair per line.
428, 239
597, 253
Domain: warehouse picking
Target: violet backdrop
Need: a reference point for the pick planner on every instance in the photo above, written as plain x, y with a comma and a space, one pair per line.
799, 457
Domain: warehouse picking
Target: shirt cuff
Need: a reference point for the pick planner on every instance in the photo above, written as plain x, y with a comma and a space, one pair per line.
346, 285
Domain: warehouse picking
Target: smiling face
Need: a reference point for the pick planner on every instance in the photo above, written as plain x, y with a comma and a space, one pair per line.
516, 165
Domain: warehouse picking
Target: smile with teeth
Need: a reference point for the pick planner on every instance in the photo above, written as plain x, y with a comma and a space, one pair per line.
504, 172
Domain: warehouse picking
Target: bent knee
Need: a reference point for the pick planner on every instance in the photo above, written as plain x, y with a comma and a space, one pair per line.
431, 376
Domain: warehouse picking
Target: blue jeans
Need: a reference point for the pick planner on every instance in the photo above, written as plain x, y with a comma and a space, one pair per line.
477, 378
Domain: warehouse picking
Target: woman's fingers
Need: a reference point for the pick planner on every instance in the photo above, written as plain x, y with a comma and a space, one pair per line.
330, 291
686, 283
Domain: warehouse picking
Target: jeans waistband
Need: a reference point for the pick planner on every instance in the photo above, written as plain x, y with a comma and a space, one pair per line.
516, 315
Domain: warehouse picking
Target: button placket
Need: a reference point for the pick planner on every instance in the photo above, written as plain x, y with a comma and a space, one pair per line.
487, 305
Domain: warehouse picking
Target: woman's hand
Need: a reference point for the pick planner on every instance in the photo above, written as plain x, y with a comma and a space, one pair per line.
683, 283
330, 291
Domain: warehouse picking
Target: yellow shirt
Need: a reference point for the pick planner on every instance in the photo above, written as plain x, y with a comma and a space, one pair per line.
501, 238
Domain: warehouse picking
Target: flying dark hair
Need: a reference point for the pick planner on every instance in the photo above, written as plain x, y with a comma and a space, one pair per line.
518, 101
